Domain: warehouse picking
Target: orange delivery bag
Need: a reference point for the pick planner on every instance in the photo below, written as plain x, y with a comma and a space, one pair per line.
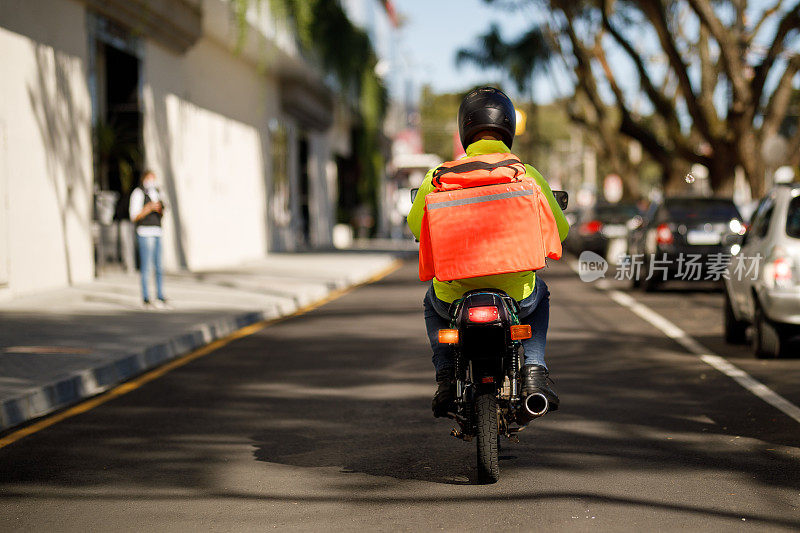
502, 225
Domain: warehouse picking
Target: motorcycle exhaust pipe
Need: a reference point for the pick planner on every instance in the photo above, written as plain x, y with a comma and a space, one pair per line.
533, 406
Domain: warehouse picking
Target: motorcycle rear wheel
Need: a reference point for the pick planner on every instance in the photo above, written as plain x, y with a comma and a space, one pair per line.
486, 421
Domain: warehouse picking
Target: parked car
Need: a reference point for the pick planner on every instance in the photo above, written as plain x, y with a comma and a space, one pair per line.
683, 238
602, 229
769, 299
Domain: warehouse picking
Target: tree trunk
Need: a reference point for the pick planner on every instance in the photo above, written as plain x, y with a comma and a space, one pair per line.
630, 182
673, 177
752, 162
722, 171
619, 161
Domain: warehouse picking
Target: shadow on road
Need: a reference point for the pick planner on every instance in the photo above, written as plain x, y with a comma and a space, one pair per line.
346, 389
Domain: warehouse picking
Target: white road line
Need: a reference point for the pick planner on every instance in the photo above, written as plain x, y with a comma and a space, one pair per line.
720, 363
691, 345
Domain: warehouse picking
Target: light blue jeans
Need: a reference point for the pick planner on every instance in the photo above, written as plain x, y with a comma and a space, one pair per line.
534, 311
150, 258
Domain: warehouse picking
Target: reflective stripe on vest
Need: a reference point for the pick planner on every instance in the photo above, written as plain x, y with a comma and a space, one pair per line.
479, 199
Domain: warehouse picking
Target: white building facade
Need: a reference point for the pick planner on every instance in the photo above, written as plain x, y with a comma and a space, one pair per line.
241, 131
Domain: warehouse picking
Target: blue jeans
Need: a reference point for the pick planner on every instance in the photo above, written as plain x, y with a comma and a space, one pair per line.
534, 311
150, 257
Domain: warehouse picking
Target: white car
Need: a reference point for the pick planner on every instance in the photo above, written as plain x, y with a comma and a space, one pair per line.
763, 288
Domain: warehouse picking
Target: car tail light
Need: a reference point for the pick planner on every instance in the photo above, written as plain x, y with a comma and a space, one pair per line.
737, 226
663, 234
782, 272
591, 227
483, 314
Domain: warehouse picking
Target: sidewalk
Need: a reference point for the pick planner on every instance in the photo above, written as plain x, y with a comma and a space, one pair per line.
61, 346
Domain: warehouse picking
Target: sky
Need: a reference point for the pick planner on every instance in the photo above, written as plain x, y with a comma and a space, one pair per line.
436, 29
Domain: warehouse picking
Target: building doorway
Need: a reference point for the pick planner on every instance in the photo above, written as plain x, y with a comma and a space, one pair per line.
305, 210
122, 116
115, 84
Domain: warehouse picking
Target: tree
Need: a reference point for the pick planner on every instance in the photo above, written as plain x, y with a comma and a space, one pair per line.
438, 121
530, 56
326, 34
717, 77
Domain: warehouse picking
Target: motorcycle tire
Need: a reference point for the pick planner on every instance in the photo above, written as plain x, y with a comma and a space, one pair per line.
486, 421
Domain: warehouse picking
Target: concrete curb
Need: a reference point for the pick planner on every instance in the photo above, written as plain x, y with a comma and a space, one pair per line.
72, 388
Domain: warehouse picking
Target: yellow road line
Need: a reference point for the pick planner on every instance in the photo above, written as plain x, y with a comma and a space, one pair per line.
156, 373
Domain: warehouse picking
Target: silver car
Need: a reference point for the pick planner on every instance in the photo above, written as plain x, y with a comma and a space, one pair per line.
763, 288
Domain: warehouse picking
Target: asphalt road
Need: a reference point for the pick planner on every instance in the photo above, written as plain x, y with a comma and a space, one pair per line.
322, 422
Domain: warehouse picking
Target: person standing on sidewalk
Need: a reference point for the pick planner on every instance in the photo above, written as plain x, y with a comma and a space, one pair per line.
146, 210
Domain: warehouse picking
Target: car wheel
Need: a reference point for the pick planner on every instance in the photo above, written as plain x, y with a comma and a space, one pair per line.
766, 340
735, 330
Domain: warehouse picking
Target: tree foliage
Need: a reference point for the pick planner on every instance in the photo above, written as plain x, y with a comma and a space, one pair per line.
438, 121
325, 32
521, 58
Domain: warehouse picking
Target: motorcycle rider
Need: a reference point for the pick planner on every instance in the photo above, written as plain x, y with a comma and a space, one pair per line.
486, 124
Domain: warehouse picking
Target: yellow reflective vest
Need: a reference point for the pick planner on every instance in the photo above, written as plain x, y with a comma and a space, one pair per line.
518, 285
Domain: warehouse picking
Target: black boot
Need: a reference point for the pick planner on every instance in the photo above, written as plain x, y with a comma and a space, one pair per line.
445, 394
535, 379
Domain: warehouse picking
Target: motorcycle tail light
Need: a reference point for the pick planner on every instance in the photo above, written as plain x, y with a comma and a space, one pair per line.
663, 234
520, 332
448, 336
483, 314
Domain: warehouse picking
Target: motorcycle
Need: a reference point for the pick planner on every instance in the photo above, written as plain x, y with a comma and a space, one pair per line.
486, 335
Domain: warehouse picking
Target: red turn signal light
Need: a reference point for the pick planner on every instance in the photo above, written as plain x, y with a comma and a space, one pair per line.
448, 336
483, 314
518, 332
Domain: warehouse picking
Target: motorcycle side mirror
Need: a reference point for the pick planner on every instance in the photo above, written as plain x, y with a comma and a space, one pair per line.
414, 194
562, 198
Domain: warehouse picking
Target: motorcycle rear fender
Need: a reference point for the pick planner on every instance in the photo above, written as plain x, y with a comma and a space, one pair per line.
484, 342
506, 306
488, 340
488, 374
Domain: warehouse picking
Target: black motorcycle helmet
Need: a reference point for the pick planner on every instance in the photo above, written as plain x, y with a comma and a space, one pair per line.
486, 108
